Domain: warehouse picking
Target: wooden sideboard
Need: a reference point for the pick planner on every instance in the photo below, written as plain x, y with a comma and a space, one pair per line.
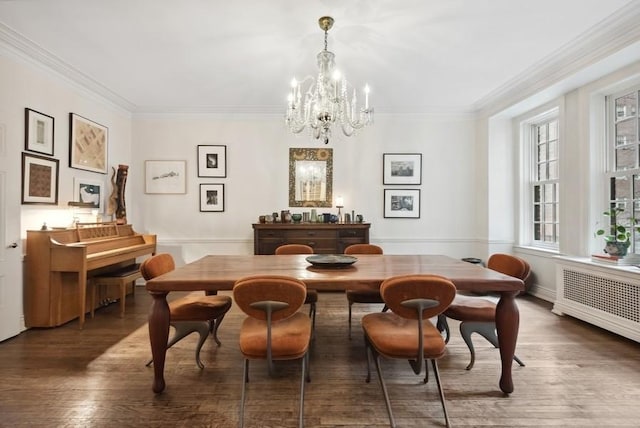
324, 238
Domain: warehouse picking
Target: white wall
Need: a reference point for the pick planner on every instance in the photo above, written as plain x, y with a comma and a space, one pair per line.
257, 180
22, 85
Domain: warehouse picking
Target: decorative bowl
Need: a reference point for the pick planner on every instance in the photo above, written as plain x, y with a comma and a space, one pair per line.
296, 218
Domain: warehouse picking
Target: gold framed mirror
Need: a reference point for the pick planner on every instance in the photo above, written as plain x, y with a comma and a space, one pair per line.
310, 177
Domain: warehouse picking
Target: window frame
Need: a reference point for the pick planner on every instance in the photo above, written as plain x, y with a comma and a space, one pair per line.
529, 162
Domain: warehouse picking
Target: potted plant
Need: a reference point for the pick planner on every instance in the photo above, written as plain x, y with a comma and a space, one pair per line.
618, 236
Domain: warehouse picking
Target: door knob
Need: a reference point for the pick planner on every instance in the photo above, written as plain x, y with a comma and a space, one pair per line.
13, 245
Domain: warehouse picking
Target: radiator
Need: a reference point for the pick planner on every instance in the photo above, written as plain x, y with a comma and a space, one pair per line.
606, 296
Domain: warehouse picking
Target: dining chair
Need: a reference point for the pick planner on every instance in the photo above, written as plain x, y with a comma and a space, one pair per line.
478, 314
362, 294
312, 295
406, 332
273, 330
189, 314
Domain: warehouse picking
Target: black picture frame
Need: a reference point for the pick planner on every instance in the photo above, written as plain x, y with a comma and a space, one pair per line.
402, 203
402, 168
39, 132
212, 197
212, 161
39, 179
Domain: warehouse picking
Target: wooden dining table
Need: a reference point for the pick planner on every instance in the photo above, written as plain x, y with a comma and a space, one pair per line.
220, 272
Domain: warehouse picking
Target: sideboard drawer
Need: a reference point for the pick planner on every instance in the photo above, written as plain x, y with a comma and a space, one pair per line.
310, 234
322, 237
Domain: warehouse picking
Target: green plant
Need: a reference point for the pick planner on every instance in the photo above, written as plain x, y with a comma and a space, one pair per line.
620, 229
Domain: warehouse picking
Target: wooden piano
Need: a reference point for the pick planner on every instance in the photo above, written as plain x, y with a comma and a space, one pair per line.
58, 263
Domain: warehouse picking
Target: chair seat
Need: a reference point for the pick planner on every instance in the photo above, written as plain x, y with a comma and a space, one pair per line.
312, 296
199, 308
363, 295
396, 337
464, 308
289, 337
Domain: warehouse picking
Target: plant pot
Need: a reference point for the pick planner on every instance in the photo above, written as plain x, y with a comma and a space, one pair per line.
616, 248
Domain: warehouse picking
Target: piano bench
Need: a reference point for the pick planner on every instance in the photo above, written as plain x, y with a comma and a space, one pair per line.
120, 278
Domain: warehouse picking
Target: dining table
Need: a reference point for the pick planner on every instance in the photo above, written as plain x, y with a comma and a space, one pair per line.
213, 273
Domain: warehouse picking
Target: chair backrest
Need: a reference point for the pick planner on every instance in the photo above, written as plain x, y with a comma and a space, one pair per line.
398, 289
363, 249
294, 249
157, 265
276, 288
508, 265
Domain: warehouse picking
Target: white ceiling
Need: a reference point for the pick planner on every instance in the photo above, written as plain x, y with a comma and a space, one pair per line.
239, 56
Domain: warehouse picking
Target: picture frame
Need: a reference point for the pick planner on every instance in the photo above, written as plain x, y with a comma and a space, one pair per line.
402, 168
39, 179
88, 144
165, 177
401, 203
88, 193
38, 132
310, 177
211, 197
212, 161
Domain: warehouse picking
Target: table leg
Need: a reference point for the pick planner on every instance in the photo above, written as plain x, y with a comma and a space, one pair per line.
158, 336
507, 324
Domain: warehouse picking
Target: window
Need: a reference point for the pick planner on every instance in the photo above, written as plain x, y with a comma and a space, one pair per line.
544, 183
540, 135
623, 172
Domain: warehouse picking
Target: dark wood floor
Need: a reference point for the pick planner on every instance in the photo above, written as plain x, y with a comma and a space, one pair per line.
576, 376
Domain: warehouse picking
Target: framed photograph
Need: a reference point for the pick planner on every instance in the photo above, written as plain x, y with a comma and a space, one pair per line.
89, 193
310, 177
38, 132
212, 161
165, 177
88, 144
39, 179
402, 168
401, 203
211, 197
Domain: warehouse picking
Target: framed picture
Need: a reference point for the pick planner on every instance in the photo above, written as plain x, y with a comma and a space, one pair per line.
165, 176
89, 193
401, 203
38, 132
88, 144
310, 177
211, 197
39, 179
402, 168
212, 161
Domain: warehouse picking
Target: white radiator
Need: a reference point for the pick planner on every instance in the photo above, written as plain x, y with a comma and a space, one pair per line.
606, 296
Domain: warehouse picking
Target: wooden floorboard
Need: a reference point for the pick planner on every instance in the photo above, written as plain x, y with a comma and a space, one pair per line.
576, 375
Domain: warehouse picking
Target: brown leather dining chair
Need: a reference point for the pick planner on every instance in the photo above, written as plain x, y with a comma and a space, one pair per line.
274, 330
189, 314
312, 295
478, 314
406, 332
363, 294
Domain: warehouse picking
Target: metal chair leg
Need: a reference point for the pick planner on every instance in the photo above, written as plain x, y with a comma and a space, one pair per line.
185, 328
484, 329
387, 402
245, 380
303, 378
215, 325
443, 327
350, 304
434, 364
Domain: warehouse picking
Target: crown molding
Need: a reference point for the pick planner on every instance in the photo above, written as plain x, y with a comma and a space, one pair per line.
609, 36
27, 50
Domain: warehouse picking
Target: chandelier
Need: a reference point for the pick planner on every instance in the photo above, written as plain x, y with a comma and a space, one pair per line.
326, 100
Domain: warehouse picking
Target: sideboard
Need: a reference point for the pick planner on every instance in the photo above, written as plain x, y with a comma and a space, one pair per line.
324, 238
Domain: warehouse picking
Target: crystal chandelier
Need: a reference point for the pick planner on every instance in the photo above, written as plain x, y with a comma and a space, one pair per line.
326, 99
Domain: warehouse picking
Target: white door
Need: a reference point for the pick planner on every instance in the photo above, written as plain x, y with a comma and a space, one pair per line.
11, 308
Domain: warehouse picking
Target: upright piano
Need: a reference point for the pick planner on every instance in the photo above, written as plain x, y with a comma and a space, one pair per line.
59, 262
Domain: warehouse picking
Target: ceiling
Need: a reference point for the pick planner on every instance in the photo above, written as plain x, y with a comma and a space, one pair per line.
239, 56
